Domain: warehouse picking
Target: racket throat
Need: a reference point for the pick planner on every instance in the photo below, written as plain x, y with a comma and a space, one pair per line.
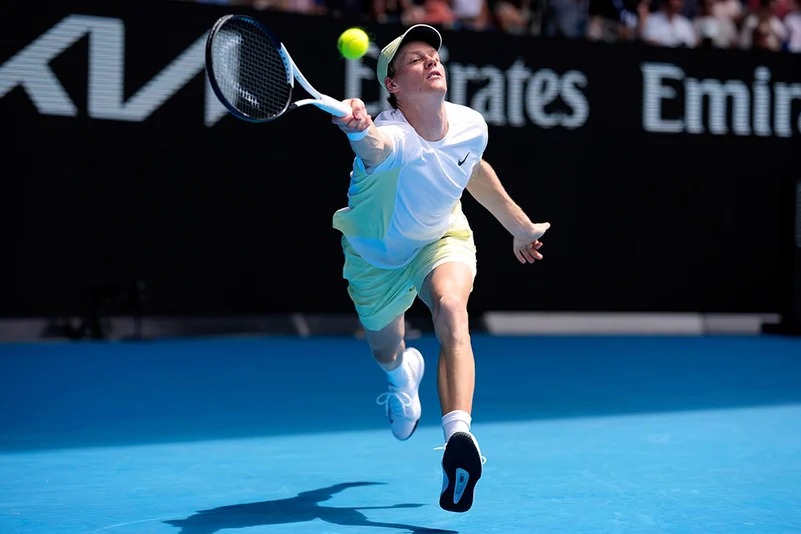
290, 66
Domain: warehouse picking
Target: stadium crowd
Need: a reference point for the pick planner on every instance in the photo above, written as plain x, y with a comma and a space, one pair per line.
773, 25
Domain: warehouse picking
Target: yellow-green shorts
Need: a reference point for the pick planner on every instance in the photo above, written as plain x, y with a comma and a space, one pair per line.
381, 295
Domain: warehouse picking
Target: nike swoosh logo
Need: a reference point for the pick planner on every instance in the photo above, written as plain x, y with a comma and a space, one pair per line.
463, 159
462, 477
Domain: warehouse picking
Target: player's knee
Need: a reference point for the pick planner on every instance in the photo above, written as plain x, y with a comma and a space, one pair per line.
450, 319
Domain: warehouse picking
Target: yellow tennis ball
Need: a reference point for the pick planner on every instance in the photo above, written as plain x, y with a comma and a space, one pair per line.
353, 43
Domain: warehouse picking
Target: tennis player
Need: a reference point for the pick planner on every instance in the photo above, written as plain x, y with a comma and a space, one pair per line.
404, 236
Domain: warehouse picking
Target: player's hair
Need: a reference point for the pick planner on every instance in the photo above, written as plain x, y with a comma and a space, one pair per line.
393, 101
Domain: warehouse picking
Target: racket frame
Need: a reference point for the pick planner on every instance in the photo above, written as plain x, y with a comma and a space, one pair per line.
320, 100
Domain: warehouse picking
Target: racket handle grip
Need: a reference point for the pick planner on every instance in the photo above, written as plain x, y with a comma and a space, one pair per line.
333, 106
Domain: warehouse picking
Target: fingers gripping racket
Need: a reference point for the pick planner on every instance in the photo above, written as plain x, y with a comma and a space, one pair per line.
253, 75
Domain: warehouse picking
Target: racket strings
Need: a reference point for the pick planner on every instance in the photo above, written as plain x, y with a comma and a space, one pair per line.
250, 71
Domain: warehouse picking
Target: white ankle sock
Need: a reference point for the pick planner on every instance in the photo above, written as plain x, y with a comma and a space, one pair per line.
455, 421
399, 375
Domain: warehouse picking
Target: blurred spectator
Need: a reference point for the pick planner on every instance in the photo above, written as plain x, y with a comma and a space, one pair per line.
792, 21
729, 10
772, 25
306, 7
437, 12
566, 18
762, 29
780, 7
389, 11
612, 20
512, 16
713, 31
691, 8
602, 20
668, 27
471, 14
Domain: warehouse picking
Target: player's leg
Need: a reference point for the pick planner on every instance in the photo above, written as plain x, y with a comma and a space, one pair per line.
387, 344
404, 367
446, 291
444, 280
444, 277
381, 298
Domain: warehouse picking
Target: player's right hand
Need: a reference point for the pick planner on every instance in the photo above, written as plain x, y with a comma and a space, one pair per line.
358, 120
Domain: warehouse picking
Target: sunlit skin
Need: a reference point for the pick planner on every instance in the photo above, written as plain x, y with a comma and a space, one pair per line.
419, 84
417, 80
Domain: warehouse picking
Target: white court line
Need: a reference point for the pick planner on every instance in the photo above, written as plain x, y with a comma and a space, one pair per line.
130, 523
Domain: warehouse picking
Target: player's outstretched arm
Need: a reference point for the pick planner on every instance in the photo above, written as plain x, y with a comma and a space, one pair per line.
368, 143
487, 189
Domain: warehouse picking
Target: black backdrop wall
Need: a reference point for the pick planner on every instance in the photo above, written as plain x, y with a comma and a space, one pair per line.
661, 171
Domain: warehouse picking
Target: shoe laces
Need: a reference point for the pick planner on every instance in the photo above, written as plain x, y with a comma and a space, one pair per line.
397, 402
483, 458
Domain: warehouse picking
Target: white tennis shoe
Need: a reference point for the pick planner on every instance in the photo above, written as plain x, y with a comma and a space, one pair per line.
403, 402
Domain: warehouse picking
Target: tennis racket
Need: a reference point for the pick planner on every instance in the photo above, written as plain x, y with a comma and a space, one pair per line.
253, 75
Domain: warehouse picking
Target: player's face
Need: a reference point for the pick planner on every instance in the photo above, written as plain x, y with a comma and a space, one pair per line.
417, 69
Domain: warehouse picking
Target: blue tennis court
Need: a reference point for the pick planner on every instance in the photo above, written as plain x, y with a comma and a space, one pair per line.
262, 435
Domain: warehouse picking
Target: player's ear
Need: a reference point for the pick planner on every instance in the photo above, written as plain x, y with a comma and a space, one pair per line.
390, 85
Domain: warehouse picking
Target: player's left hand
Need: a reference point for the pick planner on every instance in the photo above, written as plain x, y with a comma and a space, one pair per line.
527, 246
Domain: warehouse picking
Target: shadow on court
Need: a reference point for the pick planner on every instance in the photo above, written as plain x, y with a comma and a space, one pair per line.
303, 508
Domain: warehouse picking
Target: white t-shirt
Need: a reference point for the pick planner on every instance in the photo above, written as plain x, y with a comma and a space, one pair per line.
410, 200
722, 32
672, 32
467, 9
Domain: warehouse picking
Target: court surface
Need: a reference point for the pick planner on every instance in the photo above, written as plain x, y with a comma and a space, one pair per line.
263, 435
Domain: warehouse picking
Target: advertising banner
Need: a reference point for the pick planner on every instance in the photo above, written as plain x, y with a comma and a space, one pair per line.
662, 171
